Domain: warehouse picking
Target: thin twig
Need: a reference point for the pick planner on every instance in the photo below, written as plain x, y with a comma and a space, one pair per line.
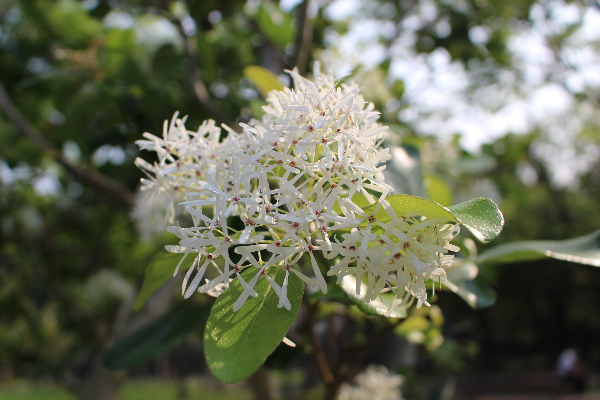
303, 37
113, 189
196, 85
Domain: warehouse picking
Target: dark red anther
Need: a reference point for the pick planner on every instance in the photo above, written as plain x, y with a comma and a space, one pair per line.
372, 219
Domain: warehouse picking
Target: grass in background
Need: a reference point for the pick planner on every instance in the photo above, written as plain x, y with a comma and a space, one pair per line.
132, 390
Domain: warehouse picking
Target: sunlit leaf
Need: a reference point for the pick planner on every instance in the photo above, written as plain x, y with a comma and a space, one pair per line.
237, 343
438, 190
263, 79
582, 250
156, 337
481, 216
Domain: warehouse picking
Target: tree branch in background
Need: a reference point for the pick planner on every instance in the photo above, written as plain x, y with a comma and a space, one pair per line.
317, 351
303, 37
197, 86
113, 189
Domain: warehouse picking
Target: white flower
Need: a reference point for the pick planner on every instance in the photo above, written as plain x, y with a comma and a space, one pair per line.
298, 182
375, 383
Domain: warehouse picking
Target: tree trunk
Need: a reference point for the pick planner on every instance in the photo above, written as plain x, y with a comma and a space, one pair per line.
261, 384
97, 382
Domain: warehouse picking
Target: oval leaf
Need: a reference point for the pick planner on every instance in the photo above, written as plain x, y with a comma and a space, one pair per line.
481, 216
156, 337
263, 79
379, 306
237, 343
582, 250
158, 272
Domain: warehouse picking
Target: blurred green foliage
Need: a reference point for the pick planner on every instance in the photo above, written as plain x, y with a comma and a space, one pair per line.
91, 77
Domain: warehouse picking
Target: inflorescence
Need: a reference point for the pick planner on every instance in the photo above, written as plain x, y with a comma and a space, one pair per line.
304, 182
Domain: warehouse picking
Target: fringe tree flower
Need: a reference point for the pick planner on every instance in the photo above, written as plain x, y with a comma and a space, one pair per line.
294, 184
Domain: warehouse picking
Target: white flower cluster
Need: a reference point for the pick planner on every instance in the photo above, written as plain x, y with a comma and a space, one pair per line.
295, 184
375, 383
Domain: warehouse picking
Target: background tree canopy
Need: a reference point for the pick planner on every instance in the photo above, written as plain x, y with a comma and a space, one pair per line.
490, 98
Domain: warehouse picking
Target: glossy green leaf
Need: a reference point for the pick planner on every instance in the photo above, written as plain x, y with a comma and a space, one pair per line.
582, 250
276, 25
481, 216
158, 272
404, 204
379, 306
156, 337
237, 343
263, 79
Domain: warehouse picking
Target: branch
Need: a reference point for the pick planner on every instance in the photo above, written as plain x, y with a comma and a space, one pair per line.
197, 86
317, 353
113, 189
303, 38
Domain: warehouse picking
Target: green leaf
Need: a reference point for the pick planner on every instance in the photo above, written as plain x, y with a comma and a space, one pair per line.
582, 250
461, 280
158, 272
438, 190
413, 323
276, 25
156, 337
263, 79
475, 294
237, 343
379, 306
481, 216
